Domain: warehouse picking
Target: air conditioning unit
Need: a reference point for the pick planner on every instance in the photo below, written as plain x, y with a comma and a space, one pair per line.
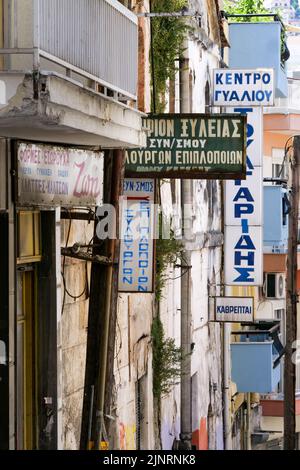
275, 285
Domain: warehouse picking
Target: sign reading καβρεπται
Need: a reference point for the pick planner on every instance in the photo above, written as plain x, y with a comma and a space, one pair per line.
234, 309
243, 87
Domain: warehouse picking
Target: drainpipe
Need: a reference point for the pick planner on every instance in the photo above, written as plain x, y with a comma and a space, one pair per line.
186, 205
248, 421
226, 386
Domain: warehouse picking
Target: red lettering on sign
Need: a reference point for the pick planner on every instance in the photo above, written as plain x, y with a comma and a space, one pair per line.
86, 184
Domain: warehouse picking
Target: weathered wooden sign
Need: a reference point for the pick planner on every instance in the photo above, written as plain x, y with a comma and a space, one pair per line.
191, 146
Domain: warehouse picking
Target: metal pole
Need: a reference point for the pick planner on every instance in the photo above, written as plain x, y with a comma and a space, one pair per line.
291, 307
248, 421
226, 386
152, 66
186, 205
116, 176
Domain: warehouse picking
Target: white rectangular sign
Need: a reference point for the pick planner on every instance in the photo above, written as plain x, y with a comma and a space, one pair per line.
233, 87
243, 256
244, 212
245, 198
136, 271
234, 309
59, 176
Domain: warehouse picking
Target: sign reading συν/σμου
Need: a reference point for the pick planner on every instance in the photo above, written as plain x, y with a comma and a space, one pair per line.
243, 87
59, 176
234, 309
191, 146
137, 236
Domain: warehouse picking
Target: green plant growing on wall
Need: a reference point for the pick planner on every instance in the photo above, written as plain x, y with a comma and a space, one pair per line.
245, 7
167, 39
168, 252
166, 360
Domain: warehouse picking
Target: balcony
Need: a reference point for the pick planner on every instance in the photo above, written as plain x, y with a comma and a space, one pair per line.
255, 358
71, 55
276, 208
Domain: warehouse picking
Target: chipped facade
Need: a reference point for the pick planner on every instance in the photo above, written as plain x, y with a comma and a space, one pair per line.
134, 375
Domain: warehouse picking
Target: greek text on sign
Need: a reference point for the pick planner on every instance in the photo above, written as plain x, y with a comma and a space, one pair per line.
243, 213
59, 176
191, 146
243, 87
137, 236
234, 309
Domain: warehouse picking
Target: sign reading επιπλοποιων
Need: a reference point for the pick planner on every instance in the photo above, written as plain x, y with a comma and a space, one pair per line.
204, 146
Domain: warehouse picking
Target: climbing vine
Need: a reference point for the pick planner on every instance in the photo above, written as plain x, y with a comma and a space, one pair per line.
245, 7
168, 252
167, 39
166, 360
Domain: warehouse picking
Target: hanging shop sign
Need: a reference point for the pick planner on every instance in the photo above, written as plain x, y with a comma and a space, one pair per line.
58, 176
191, 146
244, 212
234, 309
243, 87
136, 264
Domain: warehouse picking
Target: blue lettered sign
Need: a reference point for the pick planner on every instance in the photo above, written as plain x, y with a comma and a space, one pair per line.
234, 309
243, 212
137, 236
243, 87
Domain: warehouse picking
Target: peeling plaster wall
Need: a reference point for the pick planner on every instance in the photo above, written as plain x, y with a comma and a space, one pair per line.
136, 311
133, 361
74, 334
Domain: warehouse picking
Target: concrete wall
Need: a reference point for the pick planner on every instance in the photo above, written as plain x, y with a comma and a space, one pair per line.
136, 311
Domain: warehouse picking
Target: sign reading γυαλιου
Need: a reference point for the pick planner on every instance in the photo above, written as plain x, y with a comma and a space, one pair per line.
191, 146
59, 176
234, 309
137, 236
243, 87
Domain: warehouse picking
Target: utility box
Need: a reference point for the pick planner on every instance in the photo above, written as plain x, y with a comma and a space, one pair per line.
255, 360
257, 46
276, 209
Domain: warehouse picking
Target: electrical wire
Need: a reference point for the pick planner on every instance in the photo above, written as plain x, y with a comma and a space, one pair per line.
86, 287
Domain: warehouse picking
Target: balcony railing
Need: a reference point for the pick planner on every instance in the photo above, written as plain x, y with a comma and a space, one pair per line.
95, 39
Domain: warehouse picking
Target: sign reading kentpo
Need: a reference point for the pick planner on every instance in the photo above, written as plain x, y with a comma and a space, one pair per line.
191, 146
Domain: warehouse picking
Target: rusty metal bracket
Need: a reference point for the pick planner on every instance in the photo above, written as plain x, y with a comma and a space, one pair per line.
83, 255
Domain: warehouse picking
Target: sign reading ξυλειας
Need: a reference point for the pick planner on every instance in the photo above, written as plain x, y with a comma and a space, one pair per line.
191, 146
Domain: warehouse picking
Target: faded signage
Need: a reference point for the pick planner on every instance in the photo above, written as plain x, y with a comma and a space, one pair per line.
244, 212
234, 309
137, 236
243, 87
191, 146
59, 176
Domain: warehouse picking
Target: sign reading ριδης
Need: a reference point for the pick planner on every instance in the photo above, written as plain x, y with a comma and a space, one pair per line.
191, 146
